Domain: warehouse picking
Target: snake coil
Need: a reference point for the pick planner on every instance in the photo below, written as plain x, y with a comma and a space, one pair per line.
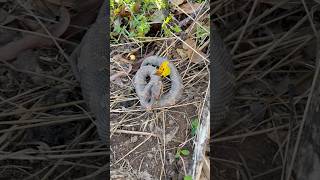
149, 91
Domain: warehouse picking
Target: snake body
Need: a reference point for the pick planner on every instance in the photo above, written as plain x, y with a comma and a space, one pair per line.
222, 79
89, 64
149, 92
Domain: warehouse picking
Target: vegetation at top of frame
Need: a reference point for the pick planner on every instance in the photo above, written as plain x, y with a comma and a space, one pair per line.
133, 18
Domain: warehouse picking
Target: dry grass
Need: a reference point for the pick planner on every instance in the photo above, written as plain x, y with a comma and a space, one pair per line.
46, 131
274, 51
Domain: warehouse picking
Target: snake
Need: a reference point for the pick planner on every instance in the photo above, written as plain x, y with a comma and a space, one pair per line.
222, 79
149, 92
89, 64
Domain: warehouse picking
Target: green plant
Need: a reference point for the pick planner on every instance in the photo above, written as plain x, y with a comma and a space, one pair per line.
194, 126
181, 152
168, 26
202, 33
132, 18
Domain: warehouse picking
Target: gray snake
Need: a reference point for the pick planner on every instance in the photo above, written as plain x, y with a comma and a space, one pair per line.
222, 79
89, 63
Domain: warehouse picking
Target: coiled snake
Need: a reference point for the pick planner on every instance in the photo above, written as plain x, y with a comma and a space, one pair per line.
149, 92
89, 64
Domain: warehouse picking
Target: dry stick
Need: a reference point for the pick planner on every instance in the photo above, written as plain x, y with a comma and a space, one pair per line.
22, 94
22, 117
78, 138
227, 161
80, 165
46, 176
262, 48
142, 110
38, 74
145, 41
257, 19
42, 124
35, 175
133, 149
289, 136
18, 106
63, 173
205, 58
286, 57
228, 138
191, 16
47, 31
310, 18
274, 45
279, 18
267, 172
38, 34
305, 115
53, 21
42, 108
164, 143
226, 15
135, 133
245, 165
34, 120
245, 26
94, 174
21, 156
72, 144
184, 166
197, 14
246, 117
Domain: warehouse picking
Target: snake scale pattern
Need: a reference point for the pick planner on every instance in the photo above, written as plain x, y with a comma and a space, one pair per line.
89, 62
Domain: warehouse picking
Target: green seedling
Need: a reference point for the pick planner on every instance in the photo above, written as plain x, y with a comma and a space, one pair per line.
194, 126
182, 152
202, 32
133, 18
187, 177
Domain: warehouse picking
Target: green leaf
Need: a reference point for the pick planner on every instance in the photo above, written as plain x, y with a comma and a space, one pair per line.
177, 156
161, 4
185, 152
176, 29
187, 178
194, 126
168, 19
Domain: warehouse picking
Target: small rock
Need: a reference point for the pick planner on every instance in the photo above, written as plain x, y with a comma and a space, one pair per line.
134, 139
150, 156
151, 126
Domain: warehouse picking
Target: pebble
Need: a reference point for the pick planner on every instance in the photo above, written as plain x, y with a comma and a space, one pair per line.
134, 139
150, 156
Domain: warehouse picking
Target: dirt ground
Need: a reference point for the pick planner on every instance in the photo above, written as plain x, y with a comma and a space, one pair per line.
274, 54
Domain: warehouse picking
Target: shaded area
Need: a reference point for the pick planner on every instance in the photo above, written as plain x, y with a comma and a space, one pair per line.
274, 50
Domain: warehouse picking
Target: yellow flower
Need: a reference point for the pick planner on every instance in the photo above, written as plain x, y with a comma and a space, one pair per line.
164, 69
